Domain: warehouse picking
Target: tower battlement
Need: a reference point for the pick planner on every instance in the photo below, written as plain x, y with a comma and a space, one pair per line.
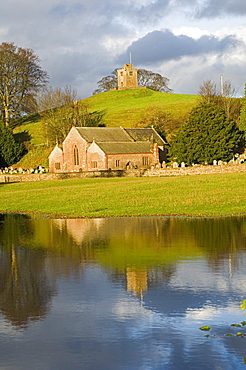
127, 77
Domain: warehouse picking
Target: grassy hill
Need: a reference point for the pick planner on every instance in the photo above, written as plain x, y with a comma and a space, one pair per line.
122, 108
125, 108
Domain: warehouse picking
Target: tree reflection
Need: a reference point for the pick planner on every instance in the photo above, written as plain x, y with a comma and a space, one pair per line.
132, 250
220, 239
25, 287
137, 252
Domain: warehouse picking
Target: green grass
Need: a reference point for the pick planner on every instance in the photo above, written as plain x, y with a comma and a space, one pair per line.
122, 108
125, 108
197, 195
30, 129
38, 156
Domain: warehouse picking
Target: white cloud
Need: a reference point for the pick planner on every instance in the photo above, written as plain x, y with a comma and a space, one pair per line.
79, 41
194, 32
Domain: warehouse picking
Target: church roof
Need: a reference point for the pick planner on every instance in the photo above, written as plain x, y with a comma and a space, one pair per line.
56, 150
120, 134
145, 134
104, 134
125, 147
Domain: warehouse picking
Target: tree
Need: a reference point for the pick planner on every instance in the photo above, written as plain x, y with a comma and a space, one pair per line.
242, 124
10, 150
208, 92
153, 81
56, 109
164, 122
150, 80
107, 83
20, 78
224, 98
60, 111
206, 136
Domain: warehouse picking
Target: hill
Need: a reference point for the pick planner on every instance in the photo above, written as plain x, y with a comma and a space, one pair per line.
126, 107
122, 108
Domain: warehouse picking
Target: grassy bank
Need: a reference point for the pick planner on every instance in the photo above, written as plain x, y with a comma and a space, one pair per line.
122, 108
201, 195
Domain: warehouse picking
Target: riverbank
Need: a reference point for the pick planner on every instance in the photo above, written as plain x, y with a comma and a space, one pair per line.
207, 195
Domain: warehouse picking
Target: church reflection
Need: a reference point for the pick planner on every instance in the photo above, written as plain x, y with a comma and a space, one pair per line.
137, 281
140, 253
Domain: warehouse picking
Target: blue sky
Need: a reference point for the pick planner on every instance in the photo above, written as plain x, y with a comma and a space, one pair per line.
80, 41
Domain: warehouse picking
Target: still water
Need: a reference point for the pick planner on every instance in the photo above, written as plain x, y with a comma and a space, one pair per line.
121, 293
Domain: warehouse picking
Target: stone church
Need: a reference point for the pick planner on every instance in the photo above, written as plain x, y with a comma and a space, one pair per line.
107, 148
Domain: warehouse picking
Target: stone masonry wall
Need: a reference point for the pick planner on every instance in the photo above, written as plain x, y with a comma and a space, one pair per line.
72, 140
162, 172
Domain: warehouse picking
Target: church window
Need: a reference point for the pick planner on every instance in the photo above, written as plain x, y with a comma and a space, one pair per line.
145, 161
76, 156
94, 164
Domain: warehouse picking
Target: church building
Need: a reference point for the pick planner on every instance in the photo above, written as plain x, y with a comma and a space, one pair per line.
107, 148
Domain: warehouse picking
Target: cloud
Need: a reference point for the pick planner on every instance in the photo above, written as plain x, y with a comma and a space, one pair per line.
80, 41
159, 46
187, 74
213, 9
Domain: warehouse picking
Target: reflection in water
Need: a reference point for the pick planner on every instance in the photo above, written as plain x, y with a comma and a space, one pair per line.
137, 281
84, 278
25, 286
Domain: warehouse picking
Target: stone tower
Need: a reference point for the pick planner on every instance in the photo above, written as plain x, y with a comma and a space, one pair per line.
127, 77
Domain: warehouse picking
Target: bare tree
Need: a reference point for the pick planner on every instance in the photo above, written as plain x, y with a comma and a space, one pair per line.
57, 108
208, 91
228, 93
242, 123
60, 111
223, 97
164, 122
151, 80
107, 83
20, 79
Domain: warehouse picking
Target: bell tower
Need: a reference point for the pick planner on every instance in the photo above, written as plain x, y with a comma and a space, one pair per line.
127, 77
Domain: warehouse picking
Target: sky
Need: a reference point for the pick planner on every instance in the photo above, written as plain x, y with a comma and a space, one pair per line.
81, 41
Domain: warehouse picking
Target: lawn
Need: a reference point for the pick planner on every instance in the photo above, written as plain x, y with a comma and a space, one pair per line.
196, 195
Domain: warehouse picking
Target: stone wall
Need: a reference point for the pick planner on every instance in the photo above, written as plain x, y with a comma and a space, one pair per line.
7, 178
156, 172
74, 139
196, 170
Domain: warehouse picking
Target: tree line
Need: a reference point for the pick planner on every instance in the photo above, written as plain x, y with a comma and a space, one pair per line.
24, 90
215, 129
150, 80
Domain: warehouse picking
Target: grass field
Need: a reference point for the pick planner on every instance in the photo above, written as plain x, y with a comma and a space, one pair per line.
197, 195
122, 108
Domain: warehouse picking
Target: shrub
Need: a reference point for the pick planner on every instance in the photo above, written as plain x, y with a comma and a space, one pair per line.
10, 150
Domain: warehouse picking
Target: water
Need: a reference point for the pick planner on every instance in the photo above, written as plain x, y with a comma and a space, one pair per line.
121, 293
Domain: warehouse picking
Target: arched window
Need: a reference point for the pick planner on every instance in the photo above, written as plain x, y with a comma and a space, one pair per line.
76, 155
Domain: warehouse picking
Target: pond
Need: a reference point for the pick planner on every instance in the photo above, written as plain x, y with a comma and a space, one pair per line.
122, 293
